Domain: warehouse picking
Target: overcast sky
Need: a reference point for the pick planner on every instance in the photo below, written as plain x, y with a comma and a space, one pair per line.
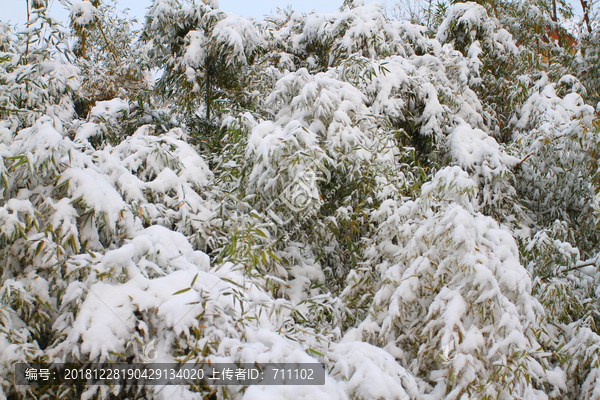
15, 10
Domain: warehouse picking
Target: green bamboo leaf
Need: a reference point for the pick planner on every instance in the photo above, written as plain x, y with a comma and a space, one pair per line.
313, 351
117, 354
22, 160
261, 233
39, 248
181, 291
232, 282
274, 257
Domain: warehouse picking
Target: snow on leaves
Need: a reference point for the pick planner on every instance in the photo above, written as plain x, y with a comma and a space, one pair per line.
325, 187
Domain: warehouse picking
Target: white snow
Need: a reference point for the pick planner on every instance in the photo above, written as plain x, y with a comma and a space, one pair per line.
83, 12
109, 108
320, 235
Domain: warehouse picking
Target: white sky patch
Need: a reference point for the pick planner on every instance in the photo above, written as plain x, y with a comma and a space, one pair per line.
256, 9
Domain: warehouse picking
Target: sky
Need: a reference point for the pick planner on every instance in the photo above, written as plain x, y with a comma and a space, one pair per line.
15, 10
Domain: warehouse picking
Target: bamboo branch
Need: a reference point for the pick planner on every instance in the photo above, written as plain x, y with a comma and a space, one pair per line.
7, 109
107, 42
587, 263
586, 18
28, 16
523, 160
580, 264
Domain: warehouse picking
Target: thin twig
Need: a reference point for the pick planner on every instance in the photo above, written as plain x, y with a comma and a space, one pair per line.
591, 261
27, 48
530, 154
107, 42
523, 160
580, 264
